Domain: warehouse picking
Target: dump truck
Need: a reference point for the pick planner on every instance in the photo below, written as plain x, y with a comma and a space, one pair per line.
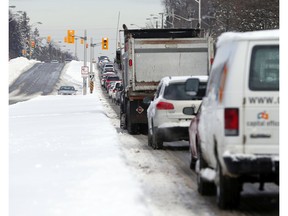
151, 54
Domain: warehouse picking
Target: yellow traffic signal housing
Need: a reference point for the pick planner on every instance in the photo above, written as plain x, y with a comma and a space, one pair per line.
48, 39
82, 41
33, 44
105, 44
71, 36
65, 40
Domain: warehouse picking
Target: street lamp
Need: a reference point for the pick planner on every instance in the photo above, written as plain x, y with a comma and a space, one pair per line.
136, 25
150, 21
199, 13
217, 20
180, 17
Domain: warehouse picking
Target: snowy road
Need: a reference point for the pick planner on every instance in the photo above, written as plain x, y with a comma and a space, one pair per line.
38, 80
64, 160
171, 187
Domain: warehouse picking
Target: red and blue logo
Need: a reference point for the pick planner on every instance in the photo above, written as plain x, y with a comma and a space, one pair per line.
263, 115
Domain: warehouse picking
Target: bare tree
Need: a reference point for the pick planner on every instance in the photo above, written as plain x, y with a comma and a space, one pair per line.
224, 15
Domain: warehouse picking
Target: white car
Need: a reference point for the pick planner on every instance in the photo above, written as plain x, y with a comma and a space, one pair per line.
166, 119
117, 87
112, 88
67, 90
239, 120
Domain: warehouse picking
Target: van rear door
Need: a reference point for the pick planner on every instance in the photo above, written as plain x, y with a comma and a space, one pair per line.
261, 110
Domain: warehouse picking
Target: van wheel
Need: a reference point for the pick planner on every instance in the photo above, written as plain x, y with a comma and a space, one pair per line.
192, 162
157, 142
228, 191
204, 187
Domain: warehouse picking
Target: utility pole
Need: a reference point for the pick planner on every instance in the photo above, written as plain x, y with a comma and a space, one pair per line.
76, 48
85, 63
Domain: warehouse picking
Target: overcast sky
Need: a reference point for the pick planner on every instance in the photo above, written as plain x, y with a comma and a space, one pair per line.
98, 17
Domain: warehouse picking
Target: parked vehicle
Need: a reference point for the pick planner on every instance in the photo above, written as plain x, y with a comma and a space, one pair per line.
110, 79
119, 94
239, 120
67, 90
151, 54
118, 87
167, 120
104, 76
108, 67
112, 88
194, 137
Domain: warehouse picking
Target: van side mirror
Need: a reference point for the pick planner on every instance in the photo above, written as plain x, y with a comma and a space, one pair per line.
192, 86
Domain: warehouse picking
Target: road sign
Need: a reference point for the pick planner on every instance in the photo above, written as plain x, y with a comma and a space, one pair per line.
92, 77
84, 71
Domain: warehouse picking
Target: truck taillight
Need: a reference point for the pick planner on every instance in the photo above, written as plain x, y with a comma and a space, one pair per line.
164, 106
231, 116
130, 62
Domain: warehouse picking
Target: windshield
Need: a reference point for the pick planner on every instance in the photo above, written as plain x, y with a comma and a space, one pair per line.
66, 88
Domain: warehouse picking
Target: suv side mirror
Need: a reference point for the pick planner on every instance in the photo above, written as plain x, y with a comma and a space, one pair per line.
147, 100
192, 86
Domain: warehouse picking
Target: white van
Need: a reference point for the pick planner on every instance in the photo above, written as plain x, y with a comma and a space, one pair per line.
239, 122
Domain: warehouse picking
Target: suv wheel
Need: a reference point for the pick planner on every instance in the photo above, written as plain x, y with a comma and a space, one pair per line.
157, 142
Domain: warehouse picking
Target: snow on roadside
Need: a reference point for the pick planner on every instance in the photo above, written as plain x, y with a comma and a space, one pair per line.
19, 65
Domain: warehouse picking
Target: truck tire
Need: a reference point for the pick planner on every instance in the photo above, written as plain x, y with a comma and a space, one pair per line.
123, 121
228, 191
205, 188
157, 141
131, 128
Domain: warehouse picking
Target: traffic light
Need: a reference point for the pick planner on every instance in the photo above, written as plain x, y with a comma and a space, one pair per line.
82, 41
65, 40
105, 43
33, 44
48, 39
71, 36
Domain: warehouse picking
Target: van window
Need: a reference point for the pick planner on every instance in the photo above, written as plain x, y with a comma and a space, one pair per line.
264, 68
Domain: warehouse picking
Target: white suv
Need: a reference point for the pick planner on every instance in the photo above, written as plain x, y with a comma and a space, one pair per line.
166, 118
239, 121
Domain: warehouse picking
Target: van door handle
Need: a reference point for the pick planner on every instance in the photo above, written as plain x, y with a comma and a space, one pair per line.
257, 136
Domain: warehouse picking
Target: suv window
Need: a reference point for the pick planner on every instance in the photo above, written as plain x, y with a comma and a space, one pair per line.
264, 68
113, 78
176, 91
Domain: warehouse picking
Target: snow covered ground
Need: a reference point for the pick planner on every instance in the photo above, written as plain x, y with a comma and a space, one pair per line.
65, 157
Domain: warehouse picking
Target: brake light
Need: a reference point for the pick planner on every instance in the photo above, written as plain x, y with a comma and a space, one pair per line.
231, 122
211, 60
164, 106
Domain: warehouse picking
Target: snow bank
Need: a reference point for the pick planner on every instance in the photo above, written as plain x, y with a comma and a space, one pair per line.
19, 65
